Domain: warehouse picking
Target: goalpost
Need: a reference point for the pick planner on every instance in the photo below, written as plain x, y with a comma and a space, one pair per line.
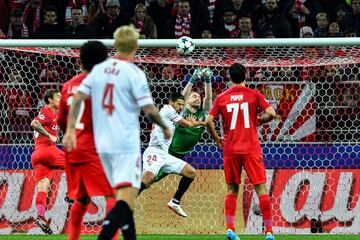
311, 153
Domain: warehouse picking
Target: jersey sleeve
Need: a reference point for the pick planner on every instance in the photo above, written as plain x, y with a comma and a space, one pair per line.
262, 102
63, 110
140, 90
173, 115
215, 110
88, 83
44, 117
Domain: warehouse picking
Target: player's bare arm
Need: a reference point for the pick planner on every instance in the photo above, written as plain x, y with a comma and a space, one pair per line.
190, 122
153, 112
269, 115
207, 103
212, 131
36, 125
70, 135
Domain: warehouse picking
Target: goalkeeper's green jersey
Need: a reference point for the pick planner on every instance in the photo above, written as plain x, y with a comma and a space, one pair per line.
185, 139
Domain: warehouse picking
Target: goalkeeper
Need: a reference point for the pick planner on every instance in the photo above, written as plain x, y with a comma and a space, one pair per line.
185, 139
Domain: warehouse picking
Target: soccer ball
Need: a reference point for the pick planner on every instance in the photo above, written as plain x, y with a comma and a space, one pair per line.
185, 45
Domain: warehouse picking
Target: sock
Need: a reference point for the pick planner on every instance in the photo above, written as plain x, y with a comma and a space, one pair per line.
230, 209
77, 213
40, 203
184, 184
117, 218
110, 203
128, 230
265, 207
142, 188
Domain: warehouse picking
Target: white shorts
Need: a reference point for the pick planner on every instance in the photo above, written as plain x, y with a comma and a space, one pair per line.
122, 169
155, 159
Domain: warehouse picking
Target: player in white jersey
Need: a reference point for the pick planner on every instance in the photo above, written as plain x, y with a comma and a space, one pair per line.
118, 90
156, 158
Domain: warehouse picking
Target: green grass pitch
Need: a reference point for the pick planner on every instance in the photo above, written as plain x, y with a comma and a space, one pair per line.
191, 237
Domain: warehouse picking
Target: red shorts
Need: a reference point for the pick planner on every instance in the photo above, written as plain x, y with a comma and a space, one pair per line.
87, 179
46, 159
253, 165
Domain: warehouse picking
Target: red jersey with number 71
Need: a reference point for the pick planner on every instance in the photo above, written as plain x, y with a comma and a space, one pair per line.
238, 107
85, 146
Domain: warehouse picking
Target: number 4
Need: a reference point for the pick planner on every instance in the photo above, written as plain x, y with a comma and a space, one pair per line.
107, 99
234, 108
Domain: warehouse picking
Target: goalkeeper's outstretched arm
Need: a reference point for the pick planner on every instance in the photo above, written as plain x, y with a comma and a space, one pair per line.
187, 90
207, 73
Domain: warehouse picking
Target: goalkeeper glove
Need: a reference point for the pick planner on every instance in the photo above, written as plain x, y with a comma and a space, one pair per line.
196, 76
207, 73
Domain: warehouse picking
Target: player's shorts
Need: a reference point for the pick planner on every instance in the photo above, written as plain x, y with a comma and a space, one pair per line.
45, 160
122, 169
87, 179
252, 163
156, 160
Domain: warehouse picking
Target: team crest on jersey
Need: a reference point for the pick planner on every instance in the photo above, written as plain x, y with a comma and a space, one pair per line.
42, 117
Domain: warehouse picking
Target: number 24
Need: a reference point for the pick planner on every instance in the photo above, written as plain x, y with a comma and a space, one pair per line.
234, 108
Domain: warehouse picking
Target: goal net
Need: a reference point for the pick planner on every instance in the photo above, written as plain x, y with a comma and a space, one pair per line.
311, 153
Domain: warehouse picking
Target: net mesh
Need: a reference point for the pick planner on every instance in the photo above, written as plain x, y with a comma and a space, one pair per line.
311, 152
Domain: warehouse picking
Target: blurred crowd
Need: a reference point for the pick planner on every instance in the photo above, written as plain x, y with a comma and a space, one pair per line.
90, 19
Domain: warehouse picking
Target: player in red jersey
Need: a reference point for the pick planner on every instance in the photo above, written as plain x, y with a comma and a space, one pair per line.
46, 156
238, 107
85, 174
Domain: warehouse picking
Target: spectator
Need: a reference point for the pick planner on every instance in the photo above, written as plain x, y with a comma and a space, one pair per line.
206, 34
208, 12
96, 9
355, 15
342, 16
299, 15
322, 23
183, 24
240, 7
76, 3
350, 32
32, 16
78, 29
228, 27
160, 10
329, 7
17, 28
61, 10
111, 20
128, 6
245, 26
50, 29
4, 16
269, 34
168, 73
49, 73
306, 32
19, 102
2, 34
334, 30
143, 22
273, 21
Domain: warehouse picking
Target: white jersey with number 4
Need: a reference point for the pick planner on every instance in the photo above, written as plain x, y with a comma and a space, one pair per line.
118, 91
170, 117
